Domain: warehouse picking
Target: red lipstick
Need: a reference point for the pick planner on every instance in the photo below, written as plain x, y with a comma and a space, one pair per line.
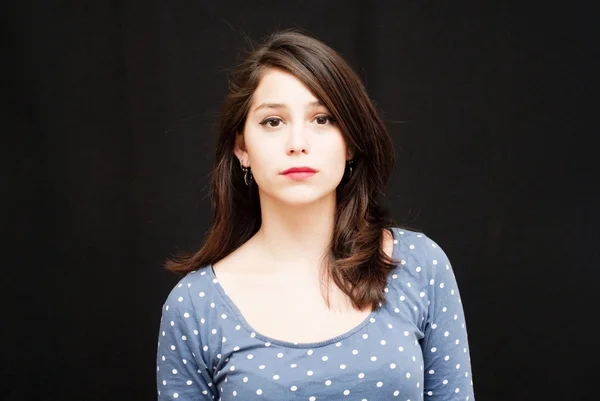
299, 173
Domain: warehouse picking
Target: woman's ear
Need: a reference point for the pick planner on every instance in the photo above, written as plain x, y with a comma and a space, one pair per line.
349, 153
239, 148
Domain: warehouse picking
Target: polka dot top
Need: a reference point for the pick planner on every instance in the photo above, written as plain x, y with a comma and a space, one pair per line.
412, 348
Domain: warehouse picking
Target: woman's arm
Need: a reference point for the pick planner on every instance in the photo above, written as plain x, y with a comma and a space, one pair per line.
181, 372
447, 365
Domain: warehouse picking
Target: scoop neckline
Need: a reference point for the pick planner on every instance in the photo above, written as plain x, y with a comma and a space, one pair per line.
288, 344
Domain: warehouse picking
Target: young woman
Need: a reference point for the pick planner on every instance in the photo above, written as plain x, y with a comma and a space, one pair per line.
304, 288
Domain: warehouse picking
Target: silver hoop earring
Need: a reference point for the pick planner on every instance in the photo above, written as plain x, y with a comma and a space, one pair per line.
248, 178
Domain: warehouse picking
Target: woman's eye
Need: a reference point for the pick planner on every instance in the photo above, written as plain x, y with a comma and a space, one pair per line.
271, 122
322, 120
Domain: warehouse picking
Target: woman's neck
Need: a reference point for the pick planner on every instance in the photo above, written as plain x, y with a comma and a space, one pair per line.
296, 235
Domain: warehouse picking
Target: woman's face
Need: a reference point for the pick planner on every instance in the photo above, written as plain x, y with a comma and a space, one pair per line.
293, 146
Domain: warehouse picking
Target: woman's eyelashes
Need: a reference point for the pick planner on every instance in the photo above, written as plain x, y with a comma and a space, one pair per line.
321, 119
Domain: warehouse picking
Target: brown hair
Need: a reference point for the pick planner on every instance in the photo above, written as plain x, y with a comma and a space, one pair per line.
357, 262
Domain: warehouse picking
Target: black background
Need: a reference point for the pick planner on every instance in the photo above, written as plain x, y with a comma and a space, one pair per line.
108, 138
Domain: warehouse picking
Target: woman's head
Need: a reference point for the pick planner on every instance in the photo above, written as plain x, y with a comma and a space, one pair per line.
295, 70
295, 102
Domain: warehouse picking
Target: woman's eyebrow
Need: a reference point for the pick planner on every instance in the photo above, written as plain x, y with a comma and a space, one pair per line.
276, 106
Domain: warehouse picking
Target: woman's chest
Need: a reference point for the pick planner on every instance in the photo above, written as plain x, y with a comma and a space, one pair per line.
376, 363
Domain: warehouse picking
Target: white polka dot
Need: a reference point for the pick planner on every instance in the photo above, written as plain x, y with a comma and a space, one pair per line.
224, 340
167, 307
418, 269
328, 382
373, 358
189, 382
401, 349
205, 348
175, 395
342, 366
390, 326
365, 336
234, 393
434, 326
232, 368
202, 320
354, 352
408, 375
238, 327
293, 388
422, 294
174, 371
396, 241
184, 361
280, 355
267, 344
312, 398
202, 294
361, 375
435, 262
236, 348
346, 392
324, 358
172, 323
245, 379
446, 358
446, 334
250, 356
180, 299
212, 304
441, 285
396, 393
261, 367
293, 365
223, 316
382, 342
431, 282
394, 276
431, 371
457, 390
259, 391
444, 309
338, 344
173, 347
445, 381
186, 315
411, 246
309, 373
196, 332
252, 335
214, 331
309, 352
406, 334
433, 349
392, 366
430, 393
275, 377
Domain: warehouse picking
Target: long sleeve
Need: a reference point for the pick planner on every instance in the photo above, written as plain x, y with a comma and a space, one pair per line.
447, 366
181, 373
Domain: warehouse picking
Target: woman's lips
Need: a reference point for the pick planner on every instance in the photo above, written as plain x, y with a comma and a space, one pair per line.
299, 173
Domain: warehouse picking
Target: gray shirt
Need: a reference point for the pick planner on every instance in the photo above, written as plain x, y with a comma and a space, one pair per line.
414, 347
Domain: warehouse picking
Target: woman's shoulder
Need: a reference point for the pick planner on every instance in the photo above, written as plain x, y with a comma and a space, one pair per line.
416, 253
191, 290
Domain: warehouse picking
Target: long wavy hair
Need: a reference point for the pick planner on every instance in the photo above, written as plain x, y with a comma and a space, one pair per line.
357, 262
